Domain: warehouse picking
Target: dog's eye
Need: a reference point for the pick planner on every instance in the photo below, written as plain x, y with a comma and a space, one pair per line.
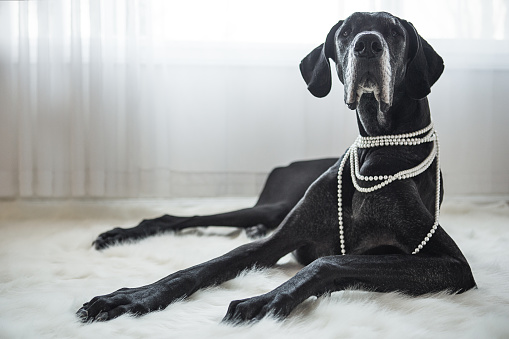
395, 33
346, 32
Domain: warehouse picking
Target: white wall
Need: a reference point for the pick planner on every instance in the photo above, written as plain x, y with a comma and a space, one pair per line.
113, 116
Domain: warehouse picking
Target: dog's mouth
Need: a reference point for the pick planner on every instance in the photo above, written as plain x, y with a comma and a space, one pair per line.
369, 82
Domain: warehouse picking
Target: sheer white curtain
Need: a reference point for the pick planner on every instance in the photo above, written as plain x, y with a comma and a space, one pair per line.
199, 98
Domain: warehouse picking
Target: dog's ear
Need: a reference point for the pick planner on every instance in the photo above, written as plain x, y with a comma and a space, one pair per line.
315, 67
425, 65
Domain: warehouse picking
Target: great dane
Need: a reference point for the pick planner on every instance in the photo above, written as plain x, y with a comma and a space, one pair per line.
369, 221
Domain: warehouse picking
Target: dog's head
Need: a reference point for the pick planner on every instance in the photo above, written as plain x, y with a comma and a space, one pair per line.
374, 53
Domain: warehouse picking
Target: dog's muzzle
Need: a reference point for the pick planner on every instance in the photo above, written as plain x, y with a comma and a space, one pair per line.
368, 70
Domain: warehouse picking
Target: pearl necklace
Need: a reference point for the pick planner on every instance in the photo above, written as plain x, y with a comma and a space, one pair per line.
408, 139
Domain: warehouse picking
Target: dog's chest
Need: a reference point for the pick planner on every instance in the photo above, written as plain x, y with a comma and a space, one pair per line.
373, 224
379, 220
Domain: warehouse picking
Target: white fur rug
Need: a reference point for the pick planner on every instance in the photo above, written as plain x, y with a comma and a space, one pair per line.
48, 269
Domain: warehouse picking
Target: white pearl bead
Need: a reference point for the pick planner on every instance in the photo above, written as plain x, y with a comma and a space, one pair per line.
389, 140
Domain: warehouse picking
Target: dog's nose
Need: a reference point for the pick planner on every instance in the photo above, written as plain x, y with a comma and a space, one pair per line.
368, 46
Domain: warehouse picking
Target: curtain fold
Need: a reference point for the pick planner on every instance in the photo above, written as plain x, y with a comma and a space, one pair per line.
128, 98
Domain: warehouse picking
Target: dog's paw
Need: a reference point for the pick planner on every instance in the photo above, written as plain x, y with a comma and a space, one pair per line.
257, 231
279, 305
114, 236
133, 301
146, 228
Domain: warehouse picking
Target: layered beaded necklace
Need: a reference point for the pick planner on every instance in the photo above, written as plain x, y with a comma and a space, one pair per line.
408, 139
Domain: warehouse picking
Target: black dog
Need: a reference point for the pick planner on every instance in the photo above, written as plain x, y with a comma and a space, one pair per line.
368, 205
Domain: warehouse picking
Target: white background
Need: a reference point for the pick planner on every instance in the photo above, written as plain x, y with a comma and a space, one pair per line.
203, 98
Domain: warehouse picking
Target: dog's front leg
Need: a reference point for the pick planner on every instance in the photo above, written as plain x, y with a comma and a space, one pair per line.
157, 296
410, 274
281, 301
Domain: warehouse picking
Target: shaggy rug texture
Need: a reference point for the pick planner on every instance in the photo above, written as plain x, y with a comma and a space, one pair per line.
48, 269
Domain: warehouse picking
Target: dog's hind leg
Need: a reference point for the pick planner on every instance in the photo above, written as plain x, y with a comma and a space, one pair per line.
258, 218
283, 188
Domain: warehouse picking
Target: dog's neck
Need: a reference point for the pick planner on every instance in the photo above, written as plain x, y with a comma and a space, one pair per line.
406, 115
